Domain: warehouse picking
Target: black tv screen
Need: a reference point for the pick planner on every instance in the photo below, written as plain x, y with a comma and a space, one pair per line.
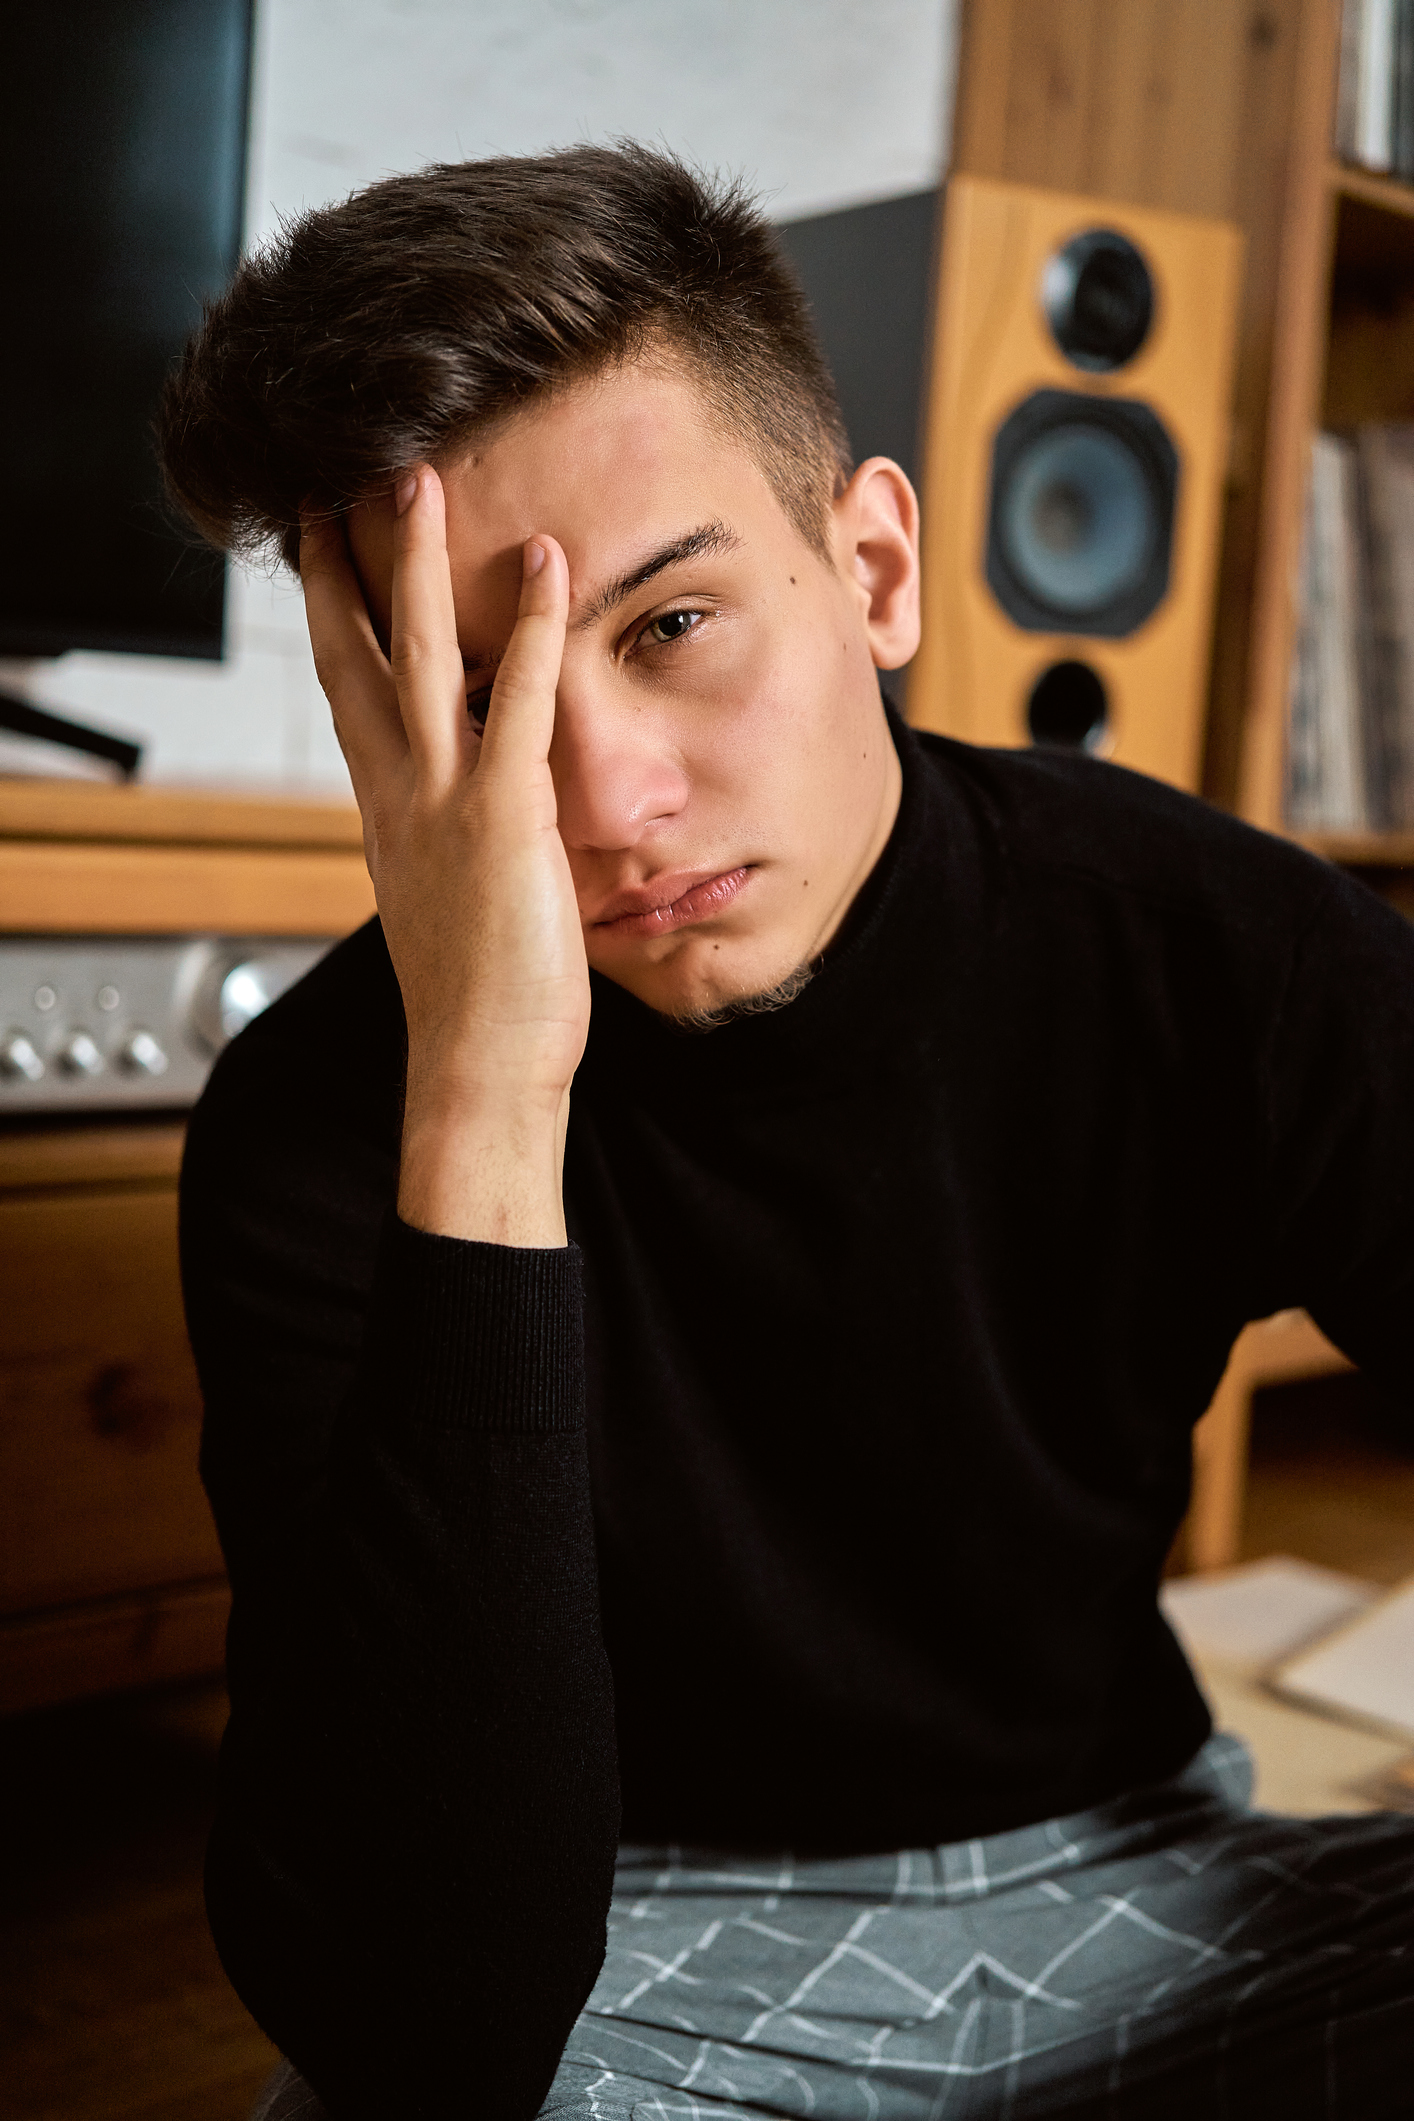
123, 162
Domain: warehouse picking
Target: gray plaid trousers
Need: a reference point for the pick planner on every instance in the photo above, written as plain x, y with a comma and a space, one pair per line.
1170, 1954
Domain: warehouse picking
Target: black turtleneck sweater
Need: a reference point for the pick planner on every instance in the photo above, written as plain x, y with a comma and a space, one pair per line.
818, 1494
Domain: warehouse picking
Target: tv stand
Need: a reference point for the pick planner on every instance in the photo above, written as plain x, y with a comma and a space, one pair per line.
21, 719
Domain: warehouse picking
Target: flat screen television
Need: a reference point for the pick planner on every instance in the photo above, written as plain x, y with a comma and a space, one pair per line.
123, 163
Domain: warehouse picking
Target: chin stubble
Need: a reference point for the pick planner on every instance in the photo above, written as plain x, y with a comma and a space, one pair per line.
764, 1004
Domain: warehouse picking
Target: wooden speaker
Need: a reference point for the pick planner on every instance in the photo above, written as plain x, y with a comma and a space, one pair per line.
1076, 449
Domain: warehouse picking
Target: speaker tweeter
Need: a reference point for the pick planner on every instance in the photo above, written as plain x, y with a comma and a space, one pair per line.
1098, 296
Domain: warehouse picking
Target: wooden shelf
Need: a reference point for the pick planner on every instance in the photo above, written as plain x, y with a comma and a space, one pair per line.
89, 810
79, 858
1391, 194
108, 1645
1362, 850
59, 888
1372, 250
126, 1153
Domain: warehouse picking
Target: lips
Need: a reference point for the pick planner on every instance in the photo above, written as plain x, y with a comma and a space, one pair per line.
670, 902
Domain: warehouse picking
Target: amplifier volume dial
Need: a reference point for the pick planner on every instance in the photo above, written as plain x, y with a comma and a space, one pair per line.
80, 1055
18, 1057
233, 990
143, 1055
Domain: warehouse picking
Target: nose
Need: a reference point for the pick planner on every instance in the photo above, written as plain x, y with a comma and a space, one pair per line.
616, 768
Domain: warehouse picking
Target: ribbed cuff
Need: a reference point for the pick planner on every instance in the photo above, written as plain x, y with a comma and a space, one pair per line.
473, 1336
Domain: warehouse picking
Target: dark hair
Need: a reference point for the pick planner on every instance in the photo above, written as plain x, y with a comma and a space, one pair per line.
383, 332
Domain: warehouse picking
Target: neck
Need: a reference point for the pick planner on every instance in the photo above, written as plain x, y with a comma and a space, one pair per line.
885, 815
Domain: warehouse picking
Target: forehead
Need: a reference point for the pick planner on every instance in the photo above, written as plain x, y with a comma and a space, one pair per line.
612, 467
625, 459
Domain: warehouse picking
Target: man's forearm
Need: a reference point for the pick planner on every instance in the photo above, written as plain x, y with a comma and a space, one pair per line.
419, 1804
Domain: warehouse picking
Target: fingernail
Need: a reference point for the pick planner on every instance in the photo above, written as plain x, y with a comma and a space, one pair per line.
404, 491
534, 558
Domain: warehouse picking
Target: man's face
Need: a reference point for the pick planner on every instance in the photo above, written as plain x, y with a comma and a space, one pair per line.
723, 769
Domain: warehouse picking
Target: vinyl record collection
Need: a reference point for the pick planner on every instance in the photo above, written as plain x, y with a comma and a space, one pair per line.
1375, 106
1350, 758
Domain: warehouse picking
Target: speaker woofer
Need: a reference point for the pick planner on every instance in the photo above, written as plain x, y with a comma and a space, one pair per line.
1080, 527
1098, 296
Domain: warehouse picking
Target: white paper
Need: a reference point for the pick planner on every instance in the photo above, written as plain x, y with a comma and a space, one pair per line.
1365, 1669
1257, 1614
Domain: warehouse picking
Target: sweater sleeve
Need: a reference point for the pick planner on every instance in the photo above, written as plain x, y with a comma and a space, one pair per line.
418, 1805
1341, 1105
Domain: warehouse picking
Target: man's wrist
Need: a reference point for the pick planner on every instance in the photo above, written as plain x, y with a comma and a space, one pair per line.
484, 1167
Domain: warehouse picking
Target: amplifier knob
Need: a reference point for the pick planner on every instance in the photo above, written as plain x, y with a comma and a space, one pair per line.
143, 1055
18, 1057
246, 992
79, 1054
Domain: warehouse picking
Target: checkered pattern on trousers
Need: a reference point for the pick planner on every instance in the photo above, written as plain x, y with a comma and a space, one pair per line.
1169, 1954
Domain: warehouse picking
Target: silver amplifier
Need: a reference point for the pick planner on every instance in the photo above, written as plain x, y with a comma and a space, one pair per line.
92, 1023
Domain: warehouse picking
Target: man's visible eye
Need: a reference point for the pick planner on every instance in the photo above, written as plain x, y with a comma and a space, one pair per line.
669, 626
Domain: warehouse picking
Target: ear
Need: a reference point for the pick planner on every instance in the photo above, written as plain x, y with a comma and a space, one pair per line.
876, 551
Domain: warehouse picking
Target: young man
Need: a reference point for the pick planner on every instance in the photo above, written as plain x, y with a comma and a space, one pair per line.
775, 1444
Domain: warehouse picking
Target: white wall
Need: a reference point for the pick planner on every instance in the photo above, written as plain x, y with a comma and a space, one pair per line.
820, 103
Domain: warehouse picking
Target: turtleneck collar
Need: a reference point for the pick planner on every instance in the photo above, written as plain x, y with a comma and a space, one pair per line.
853, 999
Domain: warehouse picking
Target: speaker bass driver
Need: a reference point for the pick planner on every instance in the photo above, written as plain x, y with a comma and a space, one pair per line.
1077, 445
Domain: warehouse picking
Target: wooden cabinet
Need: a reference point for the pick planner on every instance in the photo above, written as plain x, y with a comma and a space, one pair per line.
101, 1400
110, 1571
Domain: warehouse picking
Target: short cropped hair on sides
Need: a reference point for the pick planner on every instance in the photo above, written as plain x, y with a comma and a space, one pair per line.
389, 330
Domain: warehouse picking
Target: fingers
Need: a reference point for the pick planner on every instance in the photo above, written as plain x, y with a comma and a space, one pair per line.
415, 701
522, 717
426, 660
349, 663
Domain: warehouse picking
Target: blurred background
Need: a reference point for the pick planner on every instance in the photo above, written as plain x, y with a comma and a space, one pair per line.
1126, 285
819, 107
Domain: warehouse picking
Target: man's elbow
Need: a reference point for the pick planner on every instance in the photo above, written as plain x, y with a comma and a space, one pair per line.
385, 2011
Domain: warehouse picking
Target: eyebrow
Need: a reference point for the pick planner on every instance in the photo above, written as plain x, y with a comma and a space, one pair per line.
694, 545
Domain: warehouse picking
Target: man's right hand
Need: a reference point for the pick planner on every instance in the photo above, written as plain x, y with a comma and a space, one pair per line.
472, 882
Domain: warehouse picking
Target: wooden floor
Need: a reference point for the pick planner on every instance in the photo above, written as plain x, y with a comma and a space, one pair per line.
112, 2004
